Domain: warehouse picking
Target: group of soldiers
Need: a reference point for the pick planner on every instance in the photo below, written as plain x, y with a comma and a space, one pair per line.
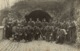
20, 29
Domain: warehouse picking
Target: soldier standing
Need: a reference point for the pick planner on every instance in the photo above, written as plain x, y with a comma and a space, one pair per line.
44, 23
29, 33
26, 33
38, 23
37, 33
19, 30
43, 33
4, 23
72, 32
31, 22
68, 31
47, 33
9, 25
61, 35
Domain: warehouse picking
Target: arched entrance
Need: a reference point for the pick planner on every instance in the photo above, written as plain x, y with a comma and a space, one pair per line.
38, 14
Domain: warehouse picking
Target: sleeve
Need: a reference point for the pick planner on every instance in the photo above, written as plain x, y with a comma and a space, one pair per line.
65, 31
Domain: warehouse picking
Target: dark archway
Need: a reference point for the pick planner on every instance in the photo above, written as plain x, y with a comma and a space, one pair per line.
38, 14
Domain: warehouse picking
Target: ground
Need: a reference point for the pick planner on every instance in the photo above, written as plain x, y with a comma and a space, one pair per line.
6, 45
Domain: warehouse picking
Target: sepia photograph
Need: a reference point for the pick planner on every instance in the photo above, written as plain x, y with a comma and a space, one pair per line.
39, 25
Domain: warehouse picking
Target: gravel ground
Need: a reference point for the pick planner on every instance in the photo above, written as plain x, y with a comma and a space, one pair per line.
7, 45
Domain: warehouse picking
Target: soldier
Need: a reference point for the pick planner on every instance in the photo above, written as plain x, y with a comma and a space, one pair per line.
38, 23
9, 25
4, 23
43, 33
46, 33
44, 29
68, 31
64, 25
44, 23
37, 32
24, 22
61, 33
50, 23
57, 24
31, 22
29, 33
26, 33
72, 32
53, 33
19, 30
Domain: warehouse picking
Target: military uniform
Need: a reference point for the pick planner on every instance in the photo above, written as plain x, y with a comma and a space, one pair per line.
48, 33
38, 23
26, 33
68, 32
44, 23
19, 34
37, 32
61, 35
4, 23
43, 33
72, 32
9, 26
31, 23
29, 33
53, 33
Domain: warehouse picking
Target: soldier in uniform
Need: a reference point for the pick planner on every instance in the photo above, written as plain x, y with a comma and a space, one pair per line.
37, 29
72, 32
31, 25
44, 23
9, 25
61, 33
57, 24
53, 33
19, 30
49, 33
37, 32
28, 33
44, 29
68, 31
24, 22
43, 33
38, 23
31, 22
4, 23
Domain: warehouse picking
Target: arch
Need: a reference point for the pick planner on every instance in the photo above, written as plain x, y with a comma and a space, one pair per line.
38, 14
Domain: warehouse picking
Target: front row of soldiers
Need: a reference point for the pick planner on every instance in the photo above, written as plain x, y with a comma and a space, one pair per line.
19, 29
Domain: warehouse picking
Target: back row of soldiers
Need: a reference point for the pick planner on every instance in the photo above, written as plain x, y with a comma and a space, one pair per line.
20, 29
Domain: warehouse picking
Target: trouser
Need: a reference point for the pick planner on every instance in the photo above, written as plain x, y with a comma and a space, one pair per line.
8, 33
37, 36
48, 37
29, 37
16, 37
60, 39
